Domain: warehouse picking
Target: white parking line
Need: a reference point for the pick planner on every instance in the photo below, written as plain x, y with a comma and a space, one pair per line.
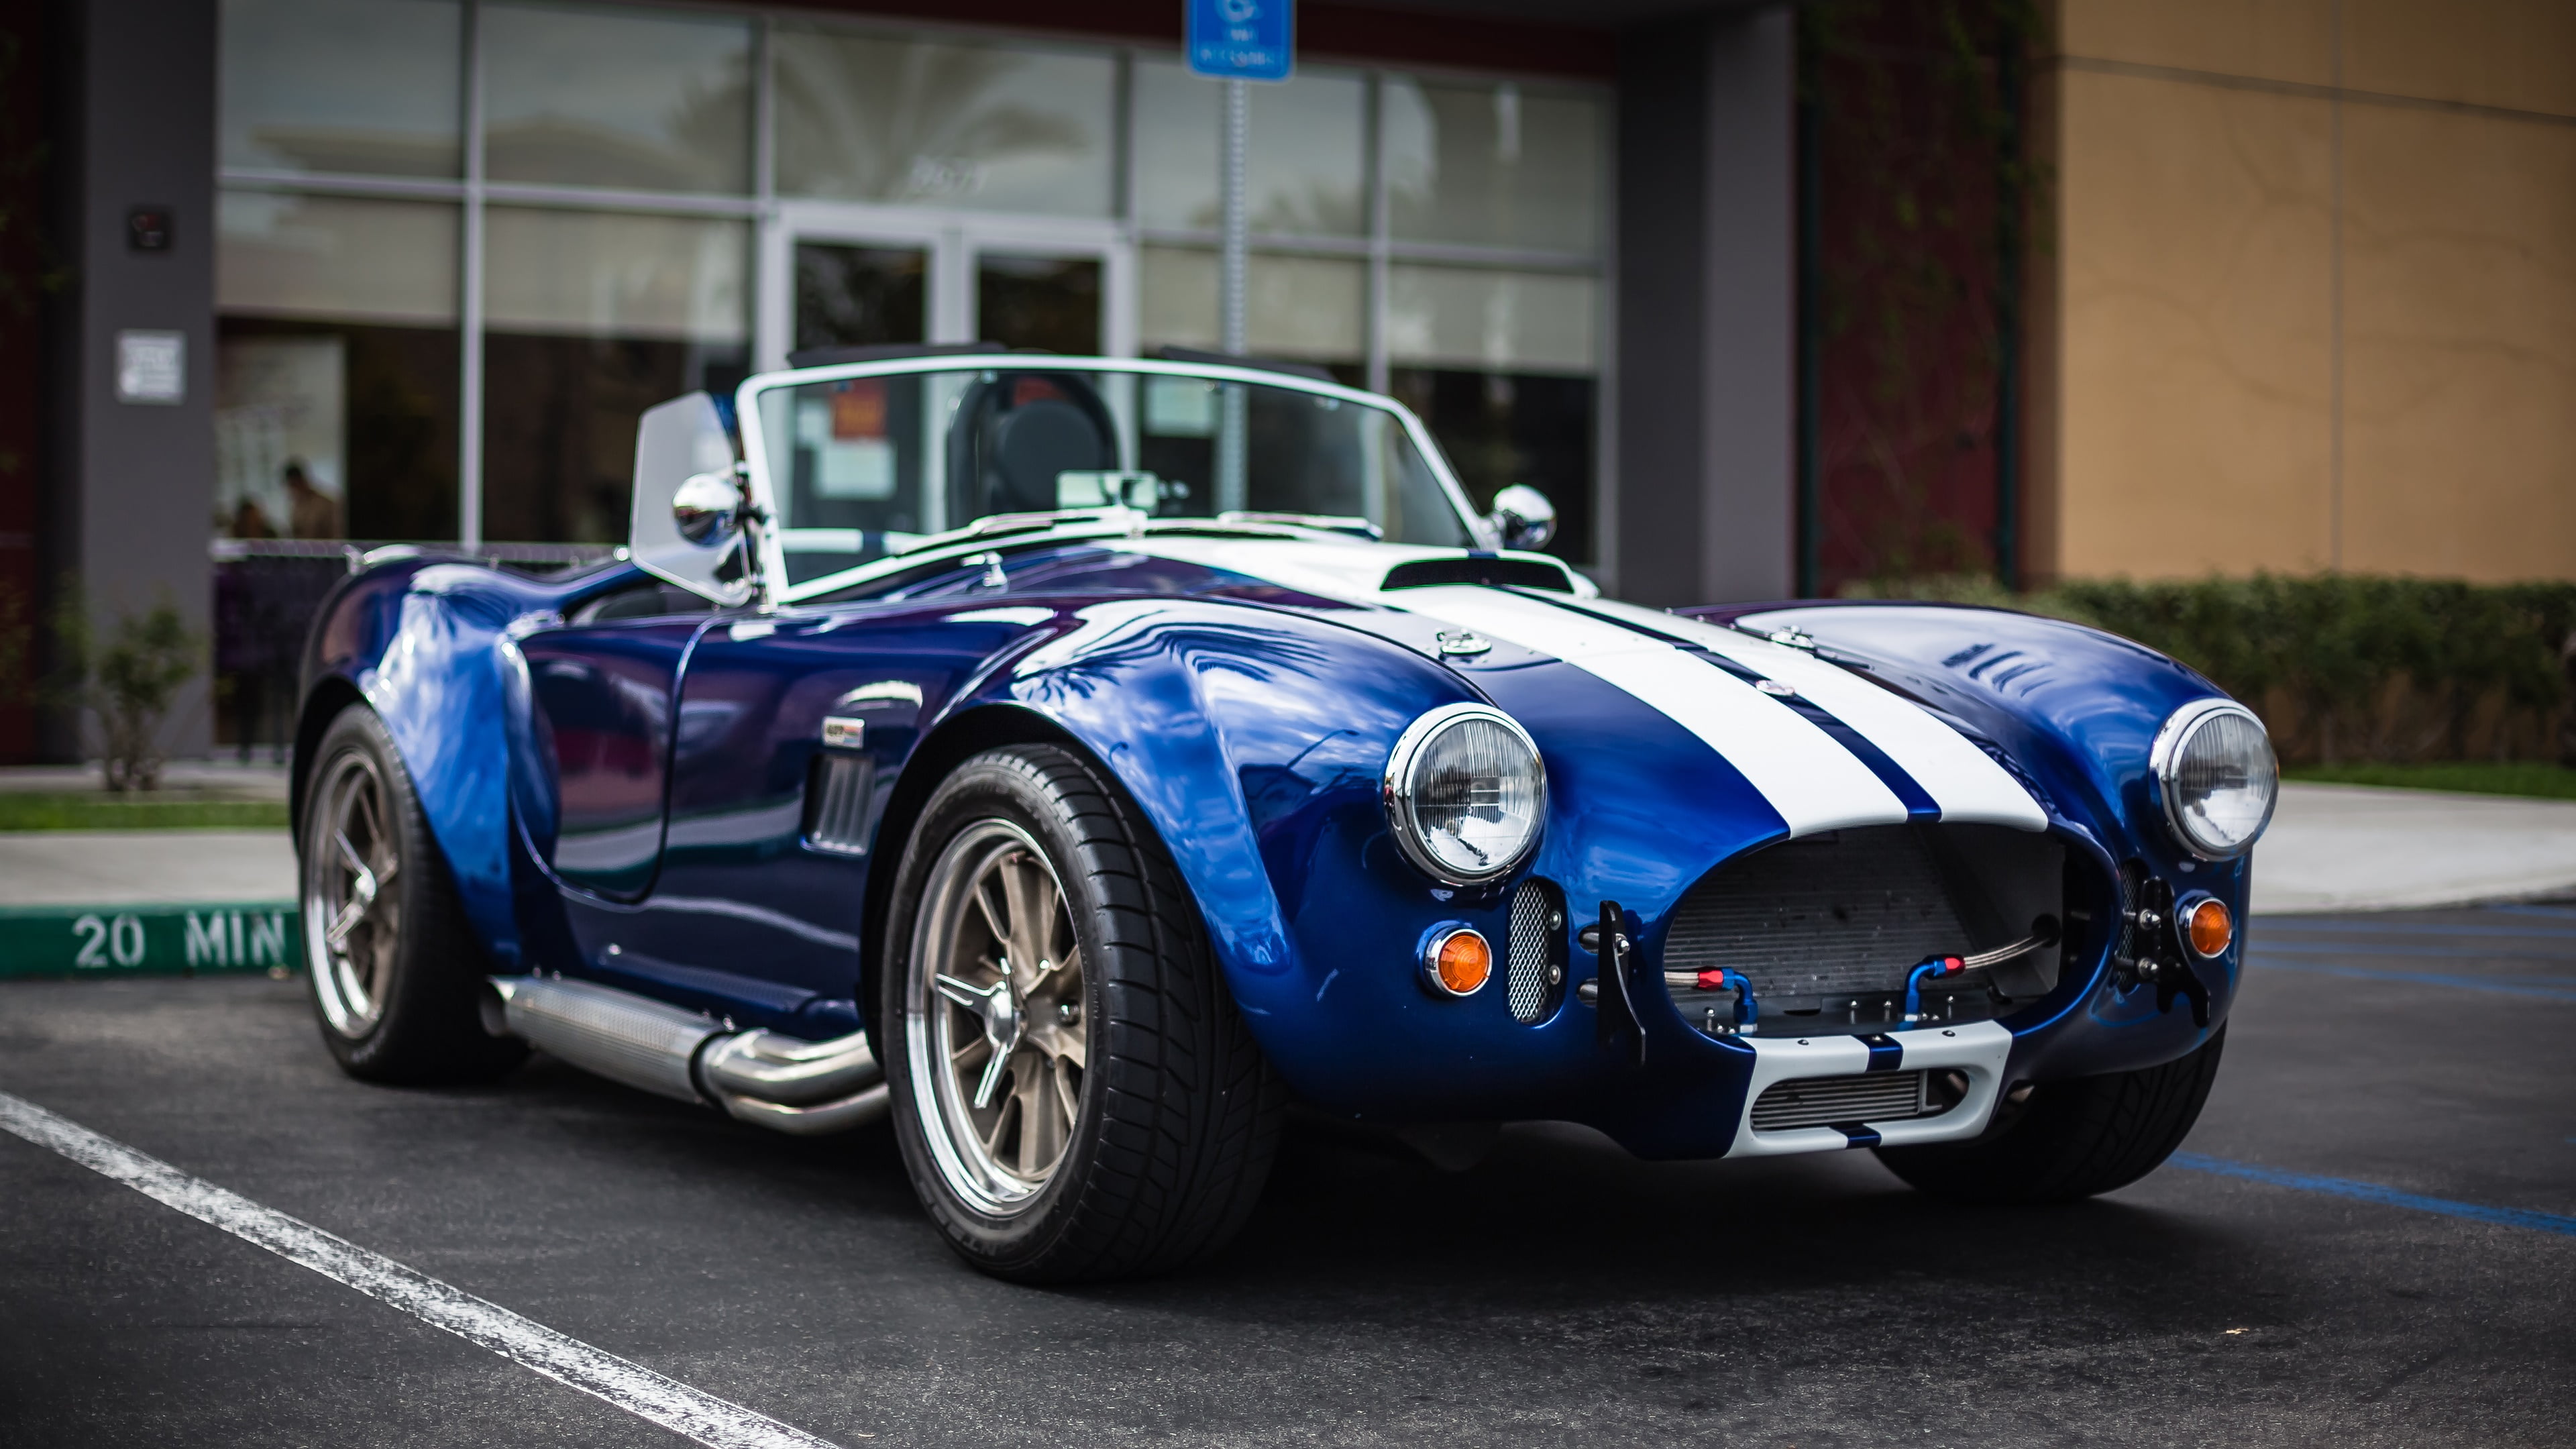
632, 1387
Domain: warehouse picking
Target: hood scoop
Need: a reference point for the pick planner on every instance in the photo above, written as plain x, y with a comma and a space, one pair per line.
1490, 570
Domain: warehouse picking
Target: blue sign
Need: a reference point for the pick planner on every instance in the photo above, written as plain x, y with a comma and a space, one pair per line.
1243, 39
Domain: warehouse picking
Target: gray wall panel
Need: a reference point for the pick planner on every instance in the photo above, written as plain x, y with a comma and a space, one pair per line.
135, 489
1707, 270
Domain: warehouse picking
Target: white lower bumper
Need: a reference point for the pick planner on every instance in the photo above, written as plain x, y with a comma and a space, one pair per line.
1977, 1049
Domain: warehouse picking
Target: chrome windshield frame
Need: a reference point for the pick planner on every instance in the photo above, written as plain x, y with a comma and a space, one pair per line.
755, 447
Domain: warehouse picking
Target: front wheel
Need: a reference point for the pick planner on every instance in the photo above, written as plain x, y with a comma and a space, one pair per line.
1075, 1094
2071, 1139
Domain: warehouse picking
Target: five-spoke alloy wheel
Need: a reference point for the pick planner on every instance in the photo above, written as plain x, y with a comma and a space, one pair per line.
1074, 1092
998, 1033
396, 973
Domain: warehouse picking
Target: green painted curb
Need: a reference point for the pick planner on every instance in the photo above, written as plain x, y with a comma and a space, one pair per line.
147, 940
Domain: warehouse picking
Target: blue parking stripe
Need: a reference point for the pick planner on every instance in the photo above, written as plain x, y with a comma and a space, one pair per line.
2562, 913
2373, 1192
2499, 985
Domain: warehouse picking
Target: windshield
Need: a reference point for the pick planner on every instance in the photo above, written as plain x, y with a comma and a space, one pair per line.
861, 467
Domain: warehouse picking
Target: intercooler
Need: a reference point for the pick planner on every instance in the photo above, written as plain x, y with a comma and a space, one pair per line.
1829, 1101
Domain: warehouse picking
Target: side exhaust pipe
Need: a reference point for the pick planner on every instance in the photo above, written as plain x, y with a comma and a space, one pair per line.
805, 1088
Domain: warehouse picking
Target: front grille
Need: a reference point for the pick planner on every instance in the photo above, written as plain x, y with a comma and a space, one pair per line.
1826, 1101
1536, 963
836, 802
1830, 915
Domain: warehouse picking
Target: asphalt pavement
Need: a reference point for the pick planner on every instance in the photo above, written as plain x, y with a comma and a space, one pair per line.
2371, 1246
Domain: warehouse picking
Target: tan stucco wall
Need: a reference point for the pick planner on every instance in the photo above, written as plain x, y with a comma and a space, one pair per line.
2211, 239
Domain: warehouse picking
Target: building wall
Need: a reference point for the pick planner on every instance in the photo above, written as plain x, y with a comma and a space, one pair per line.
2313, 269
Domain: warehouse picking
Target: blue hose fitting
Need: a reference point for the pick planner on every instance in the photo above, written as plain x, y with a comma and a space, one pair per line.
1914, 979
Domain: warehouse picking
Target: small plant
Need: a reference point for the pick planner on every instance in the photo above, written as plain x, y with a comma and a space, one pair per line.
127, 683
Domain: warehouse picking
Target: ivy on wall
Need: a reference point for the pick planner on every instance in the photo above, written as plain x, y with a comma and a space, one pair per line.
1916, 188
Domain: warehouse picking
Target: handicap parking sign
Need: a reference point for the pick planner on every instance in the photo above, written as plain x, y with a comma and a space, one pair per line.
1243, 39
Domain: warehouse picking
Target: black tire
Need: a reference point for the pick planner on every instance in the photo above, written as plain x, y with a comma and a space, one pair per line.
402, 998
2071, 1139
1178, 1113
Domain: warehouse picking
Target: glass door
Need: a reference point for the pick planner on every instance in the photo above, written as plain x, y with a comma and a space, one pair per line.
841, 275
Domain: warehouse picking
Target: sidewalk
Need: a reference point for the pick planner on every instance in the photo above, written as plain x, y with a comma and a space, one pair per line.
2359, 848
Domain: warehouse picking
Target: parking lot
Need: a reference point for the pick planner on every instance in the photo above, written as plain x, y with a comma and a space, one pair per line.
2367, 1241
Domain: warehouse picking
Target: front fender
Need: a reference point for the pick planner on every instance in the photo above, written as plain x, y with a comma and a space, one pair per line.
1234, 729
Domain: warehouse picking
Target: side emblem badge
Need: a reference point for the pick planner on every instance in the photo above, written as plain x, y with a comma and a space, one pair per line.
843, 733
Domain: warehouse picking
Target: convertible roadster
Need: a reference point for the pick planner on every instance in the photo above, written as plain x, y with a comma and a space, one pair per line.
1082, 760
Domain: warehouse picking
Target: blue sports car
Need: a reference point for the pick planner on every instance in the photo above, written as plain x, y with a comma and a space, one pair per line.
1084, 761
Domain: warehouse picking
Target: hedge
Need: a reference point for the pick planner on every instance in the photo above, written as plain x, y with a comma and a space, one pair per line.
2344, 666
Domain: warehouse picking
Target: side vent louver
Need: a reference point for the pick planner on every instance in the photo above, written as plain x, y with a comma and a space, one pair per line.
836, 802
1536, 965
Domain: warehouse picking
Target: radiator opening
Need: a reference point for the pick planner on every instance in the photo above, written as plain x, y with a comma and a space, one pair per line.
1826, 928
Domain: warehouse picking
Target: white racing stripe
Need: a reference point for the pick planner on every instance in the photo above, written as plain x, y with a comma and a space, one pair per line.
1806, 774
636, 1389
1960, 778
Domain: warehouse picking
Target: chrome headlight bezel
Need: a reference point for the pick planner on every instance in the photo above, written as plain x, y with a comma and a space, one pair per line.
2164, 760
1399, 790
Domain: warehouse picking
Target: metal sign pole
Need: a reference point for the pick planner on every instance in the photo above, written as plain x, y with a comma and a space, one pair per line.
1236, 41
1231, 489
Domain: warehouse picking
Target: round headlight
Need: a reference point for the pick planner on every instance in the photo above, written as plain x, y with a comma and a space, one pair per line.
1465, 793
2216, 777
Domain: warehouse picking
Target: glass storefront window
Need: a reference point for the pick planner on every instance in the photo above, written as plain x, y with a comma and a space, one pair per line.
1305, 169
1500, 366
1493, 165
636, 99
363, 86
591, 318
1305, 309
854, 295
335, 368
927, 123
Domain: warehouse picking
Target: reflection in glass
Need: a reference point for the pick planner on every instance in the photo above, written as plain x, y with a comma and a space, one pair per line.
1500, 366
1492, 320
984, 127
367, 86
1501, 428
648, 101
864, 467
335, 368
590, 319
1306, 309
1304, 168
1493, 165
859, 296
1050, 303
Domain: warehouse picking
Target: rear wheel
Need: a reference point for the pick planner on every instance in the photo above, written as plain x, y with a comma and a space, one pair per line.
397, 975
1074, 1092
2073, 1138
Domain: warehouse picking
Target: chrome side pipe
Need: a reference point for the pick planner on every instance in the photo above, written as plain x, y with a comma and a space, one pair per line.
805, 1088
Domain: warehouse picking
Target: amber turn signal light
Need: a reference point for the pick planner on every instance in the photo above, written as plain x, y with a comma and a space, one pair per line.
1458, 962
2208, 927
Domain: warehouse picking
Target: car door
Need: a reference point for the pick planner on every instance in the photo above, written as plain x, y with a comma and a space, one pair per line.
791, 732
602, 689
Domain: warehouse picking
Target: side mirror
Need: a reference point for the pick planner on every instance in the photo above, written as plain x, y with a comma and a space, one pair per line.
1523, 517
691, 515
